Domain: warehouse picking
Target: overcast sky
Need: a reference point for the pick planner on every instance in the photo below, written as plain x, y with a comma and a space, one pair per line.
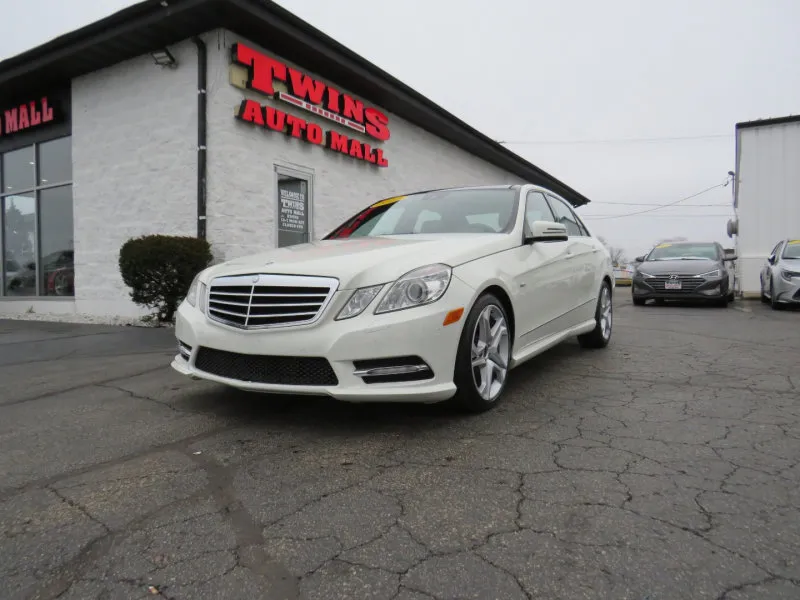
568, 83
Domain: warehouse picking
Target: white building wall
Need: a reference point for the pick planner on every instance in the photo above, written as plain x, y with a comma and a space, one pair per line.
768, 195
242, 207
134, 132
134, 168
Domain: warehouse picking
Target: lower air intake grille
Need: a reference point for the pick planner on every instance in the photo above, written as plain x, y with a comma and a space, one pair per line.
256, 368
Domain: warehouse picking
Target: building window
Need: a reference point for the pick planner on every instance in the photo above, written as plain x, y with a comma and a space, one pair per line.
37, 229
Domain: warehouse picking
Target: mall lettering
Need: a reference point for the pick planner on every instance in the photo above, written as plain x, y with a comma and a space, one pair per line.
313, 96
25, 116
271, 118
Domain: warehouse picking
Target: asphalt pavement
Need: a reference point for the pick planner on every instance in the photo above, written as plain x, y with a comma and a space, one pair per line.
664, 467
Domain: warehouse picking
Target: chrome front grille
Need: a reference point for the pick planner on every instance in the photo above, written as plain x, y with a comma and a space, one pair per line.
688, 283
260, 301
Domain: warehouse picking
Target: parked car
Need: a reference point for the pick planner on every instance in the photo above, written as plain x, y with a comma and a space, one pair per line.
426, 297
58, 276
623, 274
780, 275
684, 271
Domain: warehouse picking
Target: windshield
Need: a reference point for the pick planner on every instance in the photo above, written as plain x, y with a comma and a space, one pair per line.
792, 249
684, 252
487, 210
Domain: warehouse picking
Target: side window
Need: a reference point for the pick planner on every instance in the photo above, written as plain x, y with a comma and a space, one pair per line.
776, 249
566, 217
537, 209
584, 229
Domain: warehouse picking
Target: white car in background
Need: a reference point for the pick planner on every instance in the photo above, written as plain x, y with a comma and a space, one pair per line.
425, 297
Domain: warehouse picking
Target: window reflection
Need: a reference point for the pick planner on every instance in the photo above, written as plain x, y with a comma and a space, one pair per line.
38, 248
18, 170
56, 230
20, 244
55, 161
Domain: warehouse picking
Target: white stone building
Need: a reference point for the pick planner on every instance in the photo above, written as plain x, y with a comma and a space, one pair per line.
767, 195
194, 117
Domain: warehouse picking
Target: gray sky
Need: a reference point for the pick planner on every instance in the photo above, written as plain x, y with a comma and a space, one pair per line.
555, 73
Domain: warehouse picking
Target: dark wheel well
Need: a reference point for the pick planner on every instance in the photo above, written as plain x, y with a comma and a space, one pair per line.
607, 279
503, 297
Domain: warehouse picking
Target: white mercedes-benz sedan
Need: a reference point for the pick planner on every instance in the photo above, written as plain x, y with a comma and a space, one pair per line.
425, 297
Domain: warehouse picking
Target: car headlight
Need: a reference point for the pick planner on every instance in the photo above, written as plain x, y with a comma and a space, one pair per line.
202, 292
197, 292
788, 275
645, 275
714, 273
416, 288
360, 300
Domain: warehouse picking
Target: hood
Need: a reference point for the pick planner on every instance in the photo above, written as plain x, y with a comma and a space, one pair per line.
359, 262
678, 266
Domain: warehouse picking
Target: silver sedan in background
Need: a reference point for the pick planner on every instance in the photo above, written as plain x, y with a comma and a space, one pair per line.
780, 276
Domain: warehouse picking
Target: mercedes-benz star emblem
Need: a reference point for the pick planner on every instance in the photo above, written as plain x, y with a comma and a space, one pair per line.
255, 278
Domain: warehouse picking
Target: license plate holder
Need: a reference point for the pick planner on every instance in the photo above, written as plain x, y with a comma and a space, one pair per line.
673, 285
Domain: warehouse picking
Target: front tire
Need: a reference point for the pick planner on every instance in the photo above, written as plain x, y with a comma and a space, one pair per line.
638, 301
603, 319
483, 357
774, 304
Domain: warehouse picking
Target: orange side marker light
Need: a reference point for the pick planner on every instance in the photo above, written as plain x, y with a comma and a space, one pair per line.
454, 316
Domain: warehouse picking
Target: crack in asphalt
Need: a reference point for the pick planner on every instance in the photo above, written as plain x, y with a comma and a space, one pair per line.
81, 386
250, 553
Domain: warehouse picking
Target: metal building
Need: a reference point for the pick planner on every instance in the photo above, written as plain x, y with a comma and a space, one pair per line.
767, 194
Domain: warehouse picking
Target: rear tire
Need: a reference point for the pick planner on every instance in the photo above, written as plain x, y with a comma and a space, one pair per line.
603, 321
483, 357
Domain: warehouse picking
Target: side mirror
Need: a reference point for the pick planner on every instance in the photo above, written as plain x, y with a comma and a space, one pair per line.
546, 231
772, 259
730, 257
639, 259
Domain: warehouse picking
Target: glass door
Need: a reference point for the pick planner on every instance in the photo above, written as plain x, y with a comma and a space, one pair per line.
294, 206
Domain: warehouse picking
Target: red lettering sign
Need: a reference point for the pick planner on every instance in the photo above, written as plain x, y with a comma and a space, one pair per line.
291, 125
308, 93
26, 116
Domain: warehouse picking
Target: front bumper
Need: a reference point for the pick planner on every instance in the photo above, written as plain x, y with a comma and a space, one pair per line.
417, 332
786, 291
695, 289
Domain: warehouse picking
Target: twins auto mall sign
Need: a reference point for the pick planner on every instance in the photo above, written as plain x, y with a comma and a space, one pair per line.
28, 115
266, 75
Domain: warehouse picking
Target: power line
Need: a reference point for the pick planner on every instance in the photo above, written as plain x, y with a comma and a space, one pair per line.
662, 206
617, 140
651, 204
690, 216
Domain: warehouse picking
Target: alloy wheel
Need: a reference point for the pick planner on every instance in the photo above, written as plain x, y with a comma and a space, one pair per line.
606, 313
490, 352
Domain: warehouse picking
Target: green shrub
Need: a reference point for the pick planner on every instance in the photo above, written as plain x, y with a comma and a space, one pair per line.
160, 268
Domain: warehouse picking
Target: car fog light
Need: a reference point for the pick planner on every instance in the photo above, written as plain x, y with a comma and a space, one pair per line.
714, 291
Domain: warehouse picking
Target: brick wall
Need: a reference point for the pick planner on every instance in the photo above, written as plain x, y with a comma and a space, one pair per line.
134, 156
134, 162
